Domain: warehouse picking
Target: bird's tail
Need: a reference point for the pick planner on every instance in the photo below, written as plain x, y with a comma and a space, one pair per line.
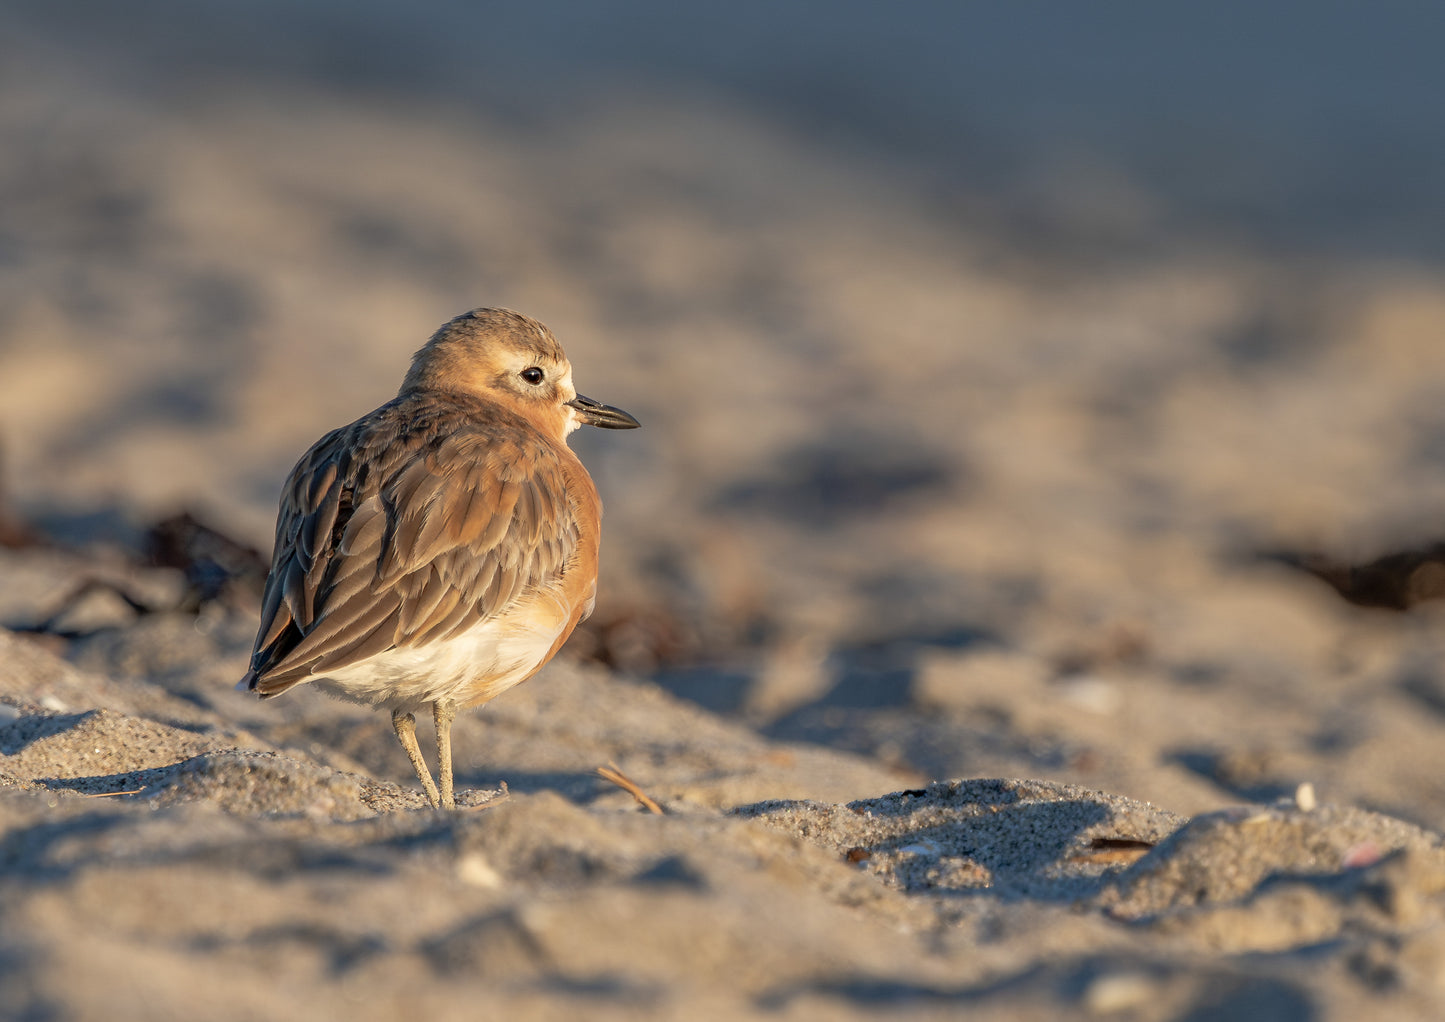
272, 686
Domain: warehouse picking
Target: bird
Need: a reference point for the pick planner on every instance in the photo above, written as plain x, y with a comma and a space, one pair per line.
440, 549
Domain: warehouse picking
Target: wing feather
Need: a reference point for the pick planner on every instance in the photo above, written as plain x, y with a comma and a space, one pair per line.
370, 633
294, 592
423, 592
274, 616
325, 497
445, 626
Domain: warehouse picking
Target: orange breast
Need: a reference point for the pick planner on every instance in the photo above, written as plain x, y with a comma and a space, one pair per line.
570, 598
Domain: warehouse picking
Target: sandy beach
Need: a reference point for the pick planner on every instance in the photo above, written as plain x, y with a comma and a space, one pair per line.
992, 602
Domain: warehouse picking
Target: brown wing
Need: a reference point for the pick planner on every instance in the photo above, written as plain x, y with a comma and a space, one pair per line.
408, 526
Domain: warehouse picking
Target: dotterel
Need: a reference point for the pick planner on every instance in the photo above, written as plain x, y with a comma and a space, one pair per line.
440, 549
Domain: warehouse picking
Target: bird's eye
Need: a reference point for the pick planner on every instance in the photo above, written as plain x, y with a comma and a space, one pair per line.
533, 375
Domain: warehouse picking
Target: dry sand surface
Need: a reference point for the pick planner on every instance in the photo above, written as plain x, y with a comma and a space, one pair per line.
918, 501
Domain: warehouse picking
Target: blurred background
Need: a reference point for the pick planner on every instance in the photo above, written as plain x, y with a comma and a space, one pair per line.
1000, 365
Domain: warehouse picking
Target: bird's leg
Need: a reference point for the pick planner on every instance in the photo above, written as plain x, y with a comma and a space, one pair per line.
404, 724
444, 711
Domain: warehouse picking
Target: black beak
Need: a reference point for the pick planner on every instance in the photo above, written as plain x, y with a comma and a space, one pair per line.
595, 413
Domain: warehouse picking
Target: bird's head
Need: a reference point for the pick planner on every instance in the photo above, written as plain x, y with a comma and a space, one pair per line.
503, 356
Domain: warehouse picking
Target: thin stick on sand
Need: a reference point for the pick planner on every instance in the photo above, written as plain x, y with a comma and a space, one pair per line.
611, 773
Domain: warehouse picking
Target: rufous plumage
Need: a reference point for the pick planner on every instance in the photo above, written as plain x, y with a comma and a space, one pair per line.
440, 549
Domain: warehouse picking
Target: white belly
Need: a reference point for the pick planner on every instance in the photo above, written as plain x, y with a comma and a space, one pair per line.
473, 667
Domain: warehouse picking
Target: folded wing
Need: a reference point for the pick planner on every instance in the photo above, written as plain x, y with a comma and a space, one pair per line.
397, 532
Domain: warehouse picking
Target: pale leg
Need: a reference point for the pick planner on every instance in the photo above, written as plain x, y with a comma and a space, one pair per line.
444, 711
404, 724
